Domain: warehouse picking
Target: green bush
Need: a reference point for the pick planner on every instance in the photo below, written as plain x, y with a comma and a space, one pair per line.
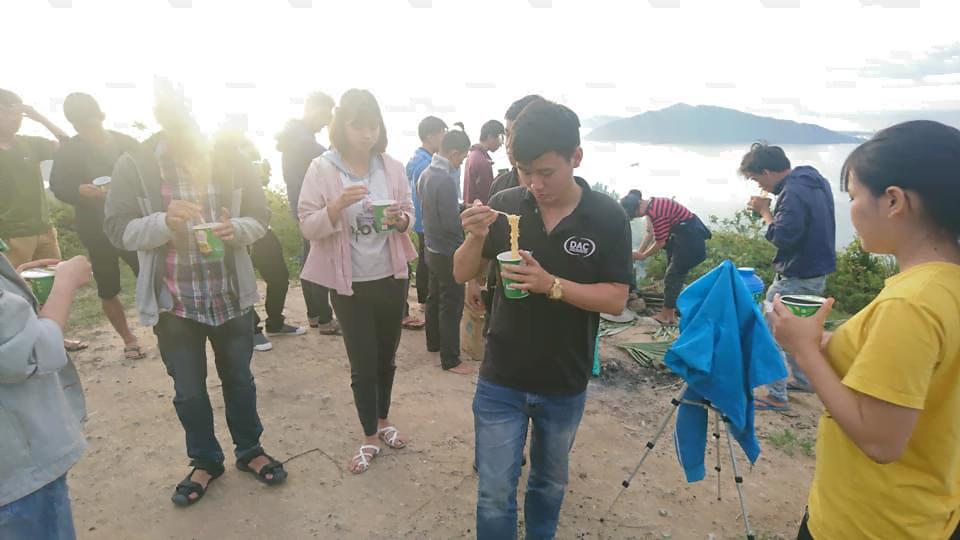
740, 239
859, 277
286, 228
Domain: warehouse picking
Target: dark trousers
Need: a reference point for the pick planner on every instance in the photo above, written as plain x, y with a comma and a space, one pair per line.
444, 310
370, 323
183, 348
317, 297
686, 248
267, 257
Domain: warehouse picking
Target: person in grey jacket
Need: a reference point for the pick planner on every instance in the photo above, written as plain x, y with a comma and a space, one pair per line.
444, 234
175, 181
41, 404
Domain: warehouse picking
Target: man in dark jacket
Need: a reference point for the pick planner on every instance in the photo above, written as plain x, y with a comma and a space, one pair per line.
81, 160
443, 235
298, 146
803, 228
479, 172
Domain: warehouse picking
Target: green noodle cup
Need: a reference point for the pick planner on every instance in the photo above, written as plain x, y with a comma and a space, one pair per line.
506, 258
381, 220
41, 281
209, 244
803, 305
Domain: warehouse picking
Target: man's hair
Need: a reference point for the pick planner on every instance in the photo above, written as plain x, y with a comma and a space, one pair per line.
544, 127
455, 140
763, 157
319, 100
491, 128
79, 107
430, 125
517, 107
631, 202
357, 106
8, 98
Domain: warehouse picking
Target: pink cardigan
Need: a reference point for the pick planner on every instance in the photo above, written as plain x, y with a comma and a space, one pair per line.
329, 261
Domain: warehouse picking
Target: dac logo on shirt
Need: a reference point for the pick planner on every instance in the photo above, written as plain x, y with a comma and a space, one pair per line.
579, 246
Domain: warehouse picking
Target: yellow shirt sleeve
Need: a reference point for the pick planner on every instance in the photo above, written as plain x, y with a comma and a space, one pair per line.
902, 344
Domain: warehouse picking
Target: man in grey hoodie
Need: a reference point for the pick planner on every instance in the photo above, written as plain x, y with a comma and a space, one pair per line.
172, 183
444, 234
41, 404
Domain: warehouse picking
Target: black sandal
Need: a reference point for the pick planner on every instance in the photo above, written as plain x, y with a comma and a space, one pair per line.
187, 487
274, 467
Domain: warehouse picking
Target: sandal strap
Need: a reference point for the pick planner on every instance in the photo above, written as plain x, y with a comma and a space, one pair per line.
364, 457
389, 434
212, 468
252, 455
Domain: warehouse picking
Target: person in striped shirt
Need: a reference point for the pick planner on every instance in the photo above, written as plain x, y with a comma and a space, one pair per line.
681, 232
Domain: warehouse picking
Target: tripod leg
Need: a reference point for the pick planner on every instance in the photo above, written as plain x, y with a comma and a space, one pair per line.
716, 439
650, 444
738, 480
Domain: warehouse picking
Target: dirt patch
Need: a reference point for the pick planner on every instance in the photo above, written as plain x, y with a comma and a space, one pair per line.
122, 486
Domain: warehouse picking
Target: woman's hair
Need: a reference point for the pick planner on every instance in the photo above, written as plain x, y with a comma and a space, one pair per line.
631, 202
921, 156
357, 106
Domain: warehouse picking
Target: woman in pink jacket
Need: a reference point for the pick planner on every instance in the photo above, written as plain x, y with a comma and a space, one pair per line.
359, 249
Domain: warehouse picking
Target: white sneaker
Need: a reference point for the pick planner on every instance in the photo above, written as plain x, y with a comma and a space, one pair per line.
261, 343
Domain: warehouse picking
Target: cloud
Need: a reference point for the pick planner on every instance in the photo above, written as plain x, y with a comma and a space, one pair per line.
942, 60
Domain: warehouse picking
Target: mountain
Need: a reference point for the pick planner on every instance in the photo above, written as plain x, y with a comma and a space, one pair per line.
702, 124
596, 121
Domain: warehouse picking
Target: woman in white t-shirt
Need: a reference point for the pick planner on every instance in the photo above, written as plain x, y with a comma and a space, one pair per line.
355, 208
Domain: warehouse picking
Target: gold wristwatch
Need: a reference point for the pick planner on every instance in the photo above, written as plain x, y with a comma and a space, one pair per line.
556, 290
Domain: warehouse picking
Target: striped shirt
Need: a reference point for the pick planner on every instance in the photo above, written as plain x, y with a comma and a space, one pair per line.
664, 214
202, 290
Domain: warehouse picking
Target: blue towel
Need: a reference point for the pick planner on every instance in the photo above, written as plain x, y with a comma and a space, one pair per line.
724, 351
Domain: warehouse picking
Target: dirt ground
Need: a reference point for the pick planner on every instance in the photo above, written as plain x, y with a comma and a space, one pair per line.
121, 489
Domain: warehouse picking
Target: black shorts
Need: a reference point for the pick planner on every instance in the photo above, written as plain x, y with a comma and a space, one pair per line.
105, 260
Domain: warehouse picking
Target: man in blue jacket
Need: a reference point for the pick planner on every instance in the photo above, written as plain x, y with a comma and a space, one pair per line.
803, 227
431, 130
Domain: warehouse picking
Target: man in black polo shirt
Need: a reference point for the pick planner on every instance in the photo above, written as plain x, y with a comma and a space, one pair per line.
575, 245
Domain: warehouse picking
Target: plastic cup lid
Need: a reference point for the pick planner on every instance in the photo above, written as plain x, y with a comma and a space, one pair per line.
36, 274
102, 180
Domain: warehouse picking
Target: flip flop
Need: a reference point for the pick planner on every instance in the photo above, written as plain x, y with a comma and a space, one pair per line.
412, 323
766, 403
133, 352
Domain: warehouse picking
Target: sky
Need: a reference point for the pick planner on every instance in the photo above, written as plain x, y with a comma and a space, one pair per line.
846, 64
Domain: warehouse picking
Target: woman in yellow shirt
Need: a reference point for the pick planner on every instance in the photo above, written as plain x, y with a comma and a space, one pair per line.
888, 444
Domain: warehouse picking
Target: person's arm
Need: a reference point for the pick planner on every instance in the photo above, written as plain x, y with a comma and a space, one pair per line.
66, 177
878, 402
317, 219
54, 130
790, 222
31, 344
124, 223
469, 260
448, 207
254, 216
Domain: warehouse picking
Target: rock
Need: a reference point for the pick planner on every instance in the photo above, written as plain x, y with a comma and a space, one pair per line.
664, 513
666, 535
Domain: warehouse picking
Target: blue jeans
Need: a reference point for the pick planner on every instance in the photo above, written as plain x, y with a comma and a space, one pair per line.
42, 515
501, 418
183, 348
784, 286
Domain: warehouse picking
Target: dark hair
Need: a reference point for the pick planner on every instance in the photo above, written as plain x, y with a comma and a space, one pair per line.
455, 140
517, 107
320, 99
8, 98
631, 202
357, 106
544, 127
460, 125
79, 107
430, 125
491, 128
922, 156
763, 157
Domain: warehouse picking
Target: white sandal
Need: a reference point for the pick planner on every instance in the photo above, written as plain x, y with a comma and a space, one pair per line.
389, 436
363, 459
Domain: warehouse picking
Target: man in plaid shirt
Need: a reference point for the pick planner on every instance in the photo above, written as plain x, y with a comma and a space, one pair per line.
173, 182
